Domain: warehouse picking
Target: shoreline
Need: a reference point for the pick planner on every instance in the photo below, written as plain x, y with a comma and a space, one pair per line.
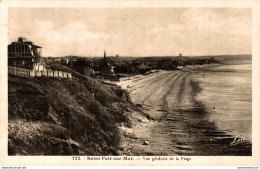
179, 124
230, 110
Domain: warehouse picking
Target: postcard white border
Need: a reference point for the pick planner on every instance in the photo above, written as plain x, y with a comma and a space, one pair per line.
253, 160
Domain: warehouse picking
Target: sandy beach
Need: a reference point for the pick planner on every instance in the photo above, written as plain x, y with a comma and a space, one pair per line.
178, 124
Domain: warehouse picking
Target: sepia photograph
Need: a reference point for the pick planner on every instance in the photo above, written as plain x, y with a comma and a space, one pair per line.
96, 83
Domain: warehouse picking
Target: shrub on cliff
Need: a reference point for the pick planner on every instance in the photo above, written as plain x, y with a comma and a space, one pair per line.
51, 116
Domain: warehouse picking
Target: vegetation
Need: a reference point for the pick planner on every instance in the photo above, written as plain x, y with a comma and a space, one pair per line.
51, 116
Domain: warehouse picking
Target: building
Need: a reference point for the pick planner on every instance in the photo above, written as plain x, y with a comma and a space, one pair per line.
83, 67
24, 54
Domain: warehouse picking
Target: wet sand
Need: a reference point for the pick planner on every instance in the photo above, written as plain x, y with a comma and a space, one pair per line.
179, 124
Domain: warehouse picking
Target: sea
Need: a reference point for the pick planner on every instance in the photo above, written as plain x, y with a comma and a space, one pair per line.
227, 94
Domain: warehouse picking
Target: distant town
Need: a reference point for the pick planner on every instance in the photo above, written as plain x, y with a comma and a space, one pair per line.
24, 54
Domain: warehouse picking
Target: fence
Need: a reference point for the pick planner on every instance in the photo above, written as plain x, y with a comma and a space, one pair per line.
32, 73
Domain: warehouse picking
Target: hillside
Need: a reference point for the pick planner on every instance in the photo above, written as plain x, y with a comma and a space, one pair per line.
51, 116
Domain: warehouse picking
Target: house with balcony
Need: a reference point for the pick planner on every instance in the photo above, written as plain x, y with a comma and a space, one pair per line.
24, 54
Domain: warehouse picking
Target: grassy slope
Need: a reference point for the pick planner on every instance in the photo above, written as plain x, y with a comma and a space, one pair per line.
50, 116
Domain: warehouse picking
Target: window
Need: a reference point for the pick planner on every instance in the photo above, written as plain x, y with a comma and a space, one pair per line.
28, 54
27, 49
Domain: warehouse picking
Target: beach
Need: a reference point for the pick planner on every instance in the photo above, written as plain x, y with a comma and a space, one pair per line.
182, 119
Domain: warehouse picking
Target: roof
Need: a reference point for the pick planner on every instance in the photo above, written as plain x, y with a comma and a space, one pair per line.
37, 46
25, 43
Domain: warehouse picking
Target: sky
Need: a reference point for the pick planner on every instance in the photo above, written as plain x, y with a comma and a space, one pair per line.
134, 31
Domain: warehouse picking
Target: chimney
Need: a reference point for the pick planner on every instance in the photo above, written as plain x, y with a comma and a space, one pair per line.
20, 39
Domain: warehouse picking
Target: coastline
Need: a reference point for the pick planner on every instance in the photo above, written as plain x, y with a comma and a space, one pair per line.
179, 124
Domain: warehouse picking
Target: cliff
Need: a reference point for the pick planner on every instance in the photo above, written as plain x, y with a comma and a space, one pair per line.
51, 116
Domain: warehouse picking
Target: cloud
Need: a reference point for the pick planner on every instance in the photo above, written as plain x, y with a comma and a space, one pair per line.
74, 38
136, 32
206, 31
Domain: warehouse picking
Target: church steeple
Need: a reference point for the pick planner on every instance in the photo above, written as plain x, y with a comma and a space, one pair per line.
105, 57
